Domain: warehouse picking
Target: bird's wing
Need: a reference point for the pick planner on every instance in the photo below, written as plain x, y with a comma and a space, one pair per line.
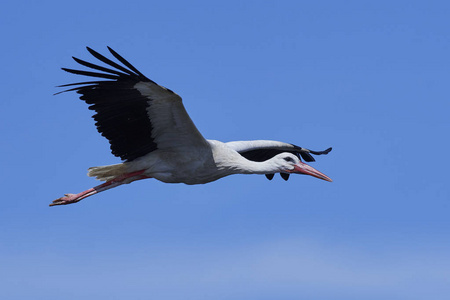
262, 150
134, 113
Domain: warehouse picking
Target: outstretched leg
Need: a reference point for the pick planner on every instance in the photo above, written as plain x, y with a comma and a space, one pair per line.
125, 178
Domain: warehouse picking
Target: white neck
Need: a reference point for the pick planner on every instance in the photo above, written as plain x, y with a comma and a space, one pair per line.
231, 162
245, 166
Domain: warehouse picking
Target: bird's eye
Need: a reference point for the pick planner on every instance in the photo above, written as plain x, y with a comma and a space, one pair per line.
288, 159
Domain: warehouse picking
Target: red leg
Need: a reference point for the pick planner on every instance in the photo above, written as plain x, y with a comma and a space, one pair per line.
73, 198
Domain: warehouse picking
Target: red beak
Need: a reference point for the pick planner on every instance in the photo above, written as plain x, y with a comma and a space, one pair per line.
302, 168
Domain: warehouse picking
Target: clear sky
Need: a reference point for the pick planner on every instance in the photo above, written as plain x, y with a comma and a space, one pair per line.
369, 78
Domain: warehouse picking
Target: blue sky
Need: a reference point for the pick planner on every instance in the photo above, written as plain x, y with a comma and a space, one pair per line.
368, 78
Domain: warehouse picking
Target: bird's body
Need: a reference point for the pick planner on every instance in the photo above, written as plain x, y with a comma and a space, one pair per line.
149, 128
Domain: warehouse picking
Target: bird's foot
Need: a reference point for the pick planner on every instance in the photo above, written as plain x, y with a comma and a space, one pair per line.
67, 199
73, 198
125, 178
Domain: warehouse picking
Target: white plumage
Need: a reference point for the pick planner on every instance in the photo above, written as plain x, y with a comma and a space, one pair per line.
149, 128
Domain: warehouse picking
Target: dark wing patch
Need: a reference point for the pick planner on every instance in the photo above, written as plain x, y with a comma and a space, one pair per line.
285, 176
121, 111
269, 176
265, 154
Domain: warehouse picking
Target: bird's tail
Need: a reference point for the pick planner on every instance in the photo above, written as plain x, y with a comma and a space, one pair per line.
106, 173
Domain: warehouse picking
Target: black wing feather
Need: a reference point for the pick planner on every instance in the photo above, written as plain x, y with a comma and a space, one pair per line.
306, 156
269, 176
91, 74
96, 67
326, 151
265, 154
125, 62
285, 176
110, 62
121, 111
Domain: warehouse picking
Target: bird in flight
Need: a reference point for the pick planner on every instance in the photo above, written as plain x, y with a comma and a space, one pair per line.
150, 130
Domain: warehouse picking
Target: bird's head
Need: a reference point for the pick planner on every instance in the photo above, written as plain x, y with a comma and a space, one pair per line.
289, 163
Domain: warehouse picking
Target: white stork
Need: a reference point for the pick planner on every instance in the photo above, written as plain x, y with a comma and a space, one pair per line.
150, 130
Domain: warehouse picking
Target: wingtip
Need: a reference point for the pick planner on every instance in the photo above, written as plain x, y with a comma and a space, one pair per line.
326, 151
285, 176
91, 51
269, 176
307, 157
112, 51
